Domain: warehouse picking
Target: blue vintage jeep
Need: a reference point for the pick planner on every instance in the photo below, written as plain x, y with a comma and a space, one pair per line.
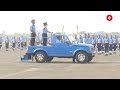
60, 47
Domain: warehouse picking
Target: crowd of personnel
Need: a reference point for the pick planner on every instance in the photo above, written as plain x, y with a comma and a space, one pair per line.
103, 43
15, 42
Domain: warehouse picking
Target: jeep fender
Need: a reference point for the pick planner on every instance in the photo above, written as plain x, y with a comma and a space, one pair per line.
40, 49
78, 51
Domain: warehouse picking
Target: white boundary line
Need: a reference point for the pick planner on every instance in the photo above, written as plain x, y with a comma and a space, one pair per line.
24, 71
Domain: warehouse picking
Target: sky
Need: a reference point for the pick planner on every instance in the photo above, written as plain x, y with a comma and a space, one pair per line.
89, 21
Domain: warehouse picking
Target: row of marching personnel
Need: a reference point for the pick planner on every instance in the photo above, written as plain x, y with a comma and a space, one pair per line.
13, 42
103, 43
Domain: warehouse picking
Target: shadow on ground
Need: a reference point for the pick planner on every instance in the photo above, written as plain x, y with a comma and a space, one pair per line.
54, 62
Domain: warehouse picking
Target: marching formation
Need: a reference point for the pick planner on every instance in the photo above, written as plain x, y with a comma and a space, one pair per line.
15, 42
102, 43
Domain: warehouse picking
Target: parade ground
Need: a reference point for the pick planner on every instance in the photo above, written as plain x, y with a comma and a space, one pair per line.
101, 67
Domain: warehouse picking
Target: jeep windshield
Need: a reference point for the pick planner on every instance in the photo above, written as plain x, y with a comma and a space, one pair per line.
64, 38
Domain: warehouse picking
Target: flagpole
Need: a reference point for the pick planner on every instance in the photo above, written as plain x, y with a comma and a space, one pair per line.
77, 29
63, 29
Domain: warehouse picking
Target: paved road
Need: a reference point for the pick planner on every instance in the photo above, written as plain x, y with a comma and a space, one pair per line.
101, 67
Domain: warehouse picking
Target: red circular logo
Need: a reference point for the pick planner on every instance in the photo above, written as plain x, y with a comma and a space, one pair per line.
109, 17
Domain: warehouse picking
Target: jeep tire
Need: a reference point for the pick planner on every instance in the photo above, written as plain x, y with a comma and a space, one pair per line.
81, 57
41, 57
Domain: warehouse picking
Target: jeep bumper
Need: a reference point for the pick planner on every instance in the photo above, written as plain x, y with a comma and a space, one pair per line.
27, 56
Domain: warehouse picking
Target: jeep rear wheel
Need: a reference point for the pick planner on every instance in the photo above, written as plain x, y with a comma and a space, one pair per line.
41, 57
81, 57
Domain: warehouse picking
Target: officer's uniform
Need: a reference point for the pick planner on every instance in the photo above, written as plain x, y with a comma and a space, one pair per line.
44, 34
106, 41
33, 34
115, 41
93, 41
110, 44
25, 42
13, 43
7, 43
22, 39
1, 40
80, 39
85, 38
18, 42
119, 43
89, 40
103, 45
99, 43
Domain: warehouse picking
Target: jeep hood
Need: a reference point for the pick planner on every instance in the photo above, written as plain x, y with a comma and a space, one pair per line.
82, 44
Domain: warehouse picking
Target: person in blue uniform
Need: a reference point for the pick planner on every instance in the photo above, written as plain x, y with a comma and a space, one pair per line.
13, 43
7, 43
18, 42
93, 41
89, 40
25, 42
119, 42
33, 33
103, 44
1, 40
106, 41
44, 34
80, 39
22, 40
99, 43
85, 38
110, 44
115, 41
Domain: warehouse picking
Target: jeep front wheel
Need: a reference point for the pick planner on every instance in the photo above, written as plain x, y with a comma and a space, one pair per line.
81, 57
41, 57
